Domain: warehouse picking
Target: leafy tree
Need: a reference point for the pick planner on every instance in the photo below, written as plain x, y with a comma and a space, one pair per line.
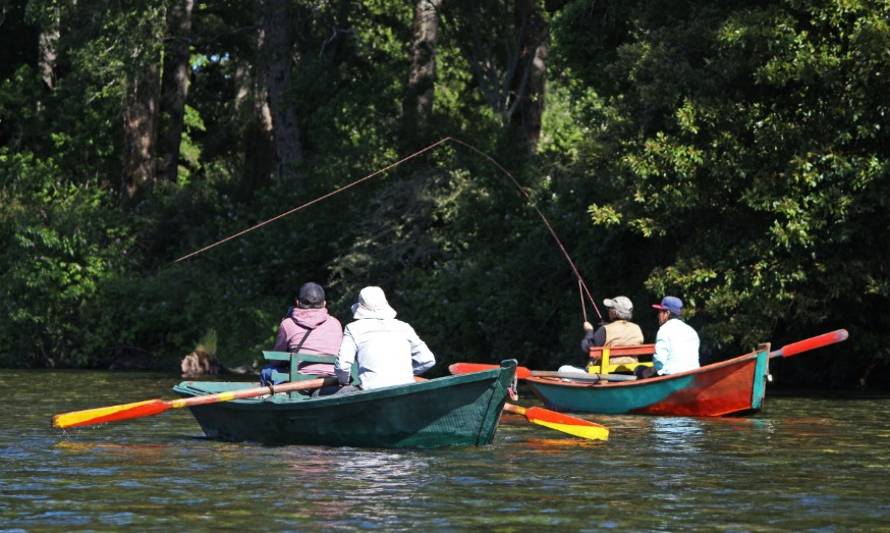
743, 144
734, 154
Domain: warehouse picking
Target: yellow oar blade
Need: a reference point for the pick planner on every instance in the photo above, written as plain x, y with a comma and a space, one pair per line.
113, 413
577, 427
594, 432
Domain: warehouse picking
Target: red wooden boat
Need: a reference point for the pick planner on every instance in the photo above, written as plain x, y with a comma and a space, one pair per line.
732, 387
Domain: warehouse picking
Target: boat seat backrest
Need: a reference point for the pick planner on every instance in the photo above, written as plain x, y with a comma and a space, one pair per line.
600, 358
295, 359
622, 351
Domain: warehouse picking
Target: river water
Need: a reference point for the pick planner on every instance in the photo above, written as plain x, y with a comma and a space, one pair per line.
803, 464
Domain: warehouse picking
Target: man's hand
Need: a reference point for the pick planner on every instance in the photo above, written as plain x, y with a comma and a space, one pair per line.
588, 326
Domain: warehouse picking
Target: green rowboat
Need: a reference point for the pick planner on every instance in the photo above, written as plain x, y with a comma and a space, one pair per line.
450, 411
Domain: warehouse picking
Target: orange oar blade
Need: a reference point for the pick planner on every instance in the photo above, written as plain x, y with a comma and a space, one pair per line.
567, 424
560, 422
468, 368
114, 413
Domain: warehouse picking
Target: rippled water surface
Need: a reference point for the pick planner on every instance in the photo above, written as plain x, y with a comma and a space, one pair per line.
802, 464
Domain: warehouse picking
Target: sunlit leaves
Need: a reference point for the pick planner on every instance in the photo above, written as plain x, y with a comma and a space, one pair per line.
604, 215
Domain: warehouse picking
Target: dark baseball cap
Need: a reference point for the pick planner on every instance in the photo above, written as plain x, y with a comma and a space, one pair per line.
670, 303
311, 294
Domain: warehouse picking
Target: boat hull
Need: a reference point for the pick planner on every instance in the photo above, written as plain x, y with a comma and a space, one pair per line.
449, 411
731, 387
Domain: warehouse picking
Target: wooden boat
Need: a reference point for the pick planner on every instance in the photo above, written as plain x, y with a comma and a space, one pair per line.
732, 387
449, 411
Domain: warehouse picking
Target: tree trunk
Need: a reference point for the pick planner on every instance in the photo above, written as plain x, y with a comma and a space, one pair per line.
528, 83
47, 47
174, 87
275, 55
140, 112
252, 108
418, 104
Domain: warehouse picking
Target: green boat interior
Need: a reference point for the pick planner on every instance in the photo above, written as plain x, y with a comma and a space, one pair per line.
293, 361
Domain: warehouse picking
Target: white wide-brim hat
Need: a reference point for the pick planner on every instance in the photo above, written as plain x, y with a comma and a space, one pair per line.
372, 304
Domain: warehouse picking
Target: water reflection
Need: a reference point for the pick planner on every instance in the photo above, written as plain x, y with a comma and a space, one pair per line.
802, 464
371, 468
561, 445
125, 449
345, 482
671, 435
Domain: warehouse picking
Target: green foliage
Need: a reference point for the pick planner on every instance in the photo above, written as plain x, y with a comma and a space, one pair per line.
733, 154
756, 160
60, 242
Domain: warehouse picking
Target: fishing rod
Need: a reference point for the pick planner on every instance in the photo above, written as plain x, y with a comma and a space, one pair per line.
582, 286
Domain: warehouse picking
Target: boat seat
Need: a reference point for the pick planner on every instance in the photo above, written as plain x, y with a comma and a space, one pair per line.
600, 358
294, 360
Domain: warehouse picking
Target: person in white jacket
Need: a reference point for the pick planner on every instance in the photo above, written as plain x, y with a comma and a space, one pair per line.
676, 343
387, 351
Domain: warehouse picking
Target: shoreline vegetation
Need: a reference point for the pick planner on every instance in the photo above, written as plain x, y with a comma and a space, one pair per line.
733, 155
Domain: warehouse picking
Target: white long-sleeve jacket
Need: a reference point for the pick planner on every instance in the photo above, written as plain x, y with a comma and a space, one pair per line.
387, 351
676, 348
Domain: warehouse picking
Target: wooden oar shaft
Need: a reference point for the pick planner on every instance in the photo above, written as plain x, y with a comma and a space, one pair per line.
524, 373
513, 408
583, 376
129, 411
250, 393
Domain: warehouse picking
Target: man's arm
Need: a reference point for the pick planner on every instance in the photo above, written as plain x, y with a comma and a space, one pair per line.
662, 350
345, 358
281, 340
422, 359
593, 338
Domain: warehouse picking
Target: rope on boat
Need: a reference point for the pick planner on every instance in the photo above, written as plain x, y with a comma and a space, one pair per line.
582, 286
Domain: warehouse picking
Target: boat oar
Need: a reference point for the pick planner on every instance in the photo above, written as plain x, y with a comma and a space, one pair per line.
128, 411
560, 422
790, 350
523, 373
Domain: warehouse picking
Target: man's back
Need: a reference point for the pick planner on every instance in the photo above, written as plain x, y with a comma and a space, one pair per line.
325, 336
622, 333
676, 348
388, 352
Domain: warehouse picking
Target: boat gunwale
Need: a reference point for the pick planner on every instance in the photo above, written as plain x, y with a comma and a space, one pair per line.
391, 391
568, 382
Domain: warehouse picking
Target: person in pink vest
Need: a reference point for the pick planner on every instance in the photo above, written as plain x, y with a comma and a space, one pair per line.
308, 328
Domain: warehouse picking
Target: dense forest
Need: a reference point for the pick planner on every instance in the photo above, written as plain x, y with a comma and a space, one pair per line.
735, 154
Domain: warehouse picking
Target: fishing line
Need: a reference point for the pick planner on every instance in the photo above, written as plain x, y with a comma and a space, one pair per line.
311, 202
582, 286
546, 222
